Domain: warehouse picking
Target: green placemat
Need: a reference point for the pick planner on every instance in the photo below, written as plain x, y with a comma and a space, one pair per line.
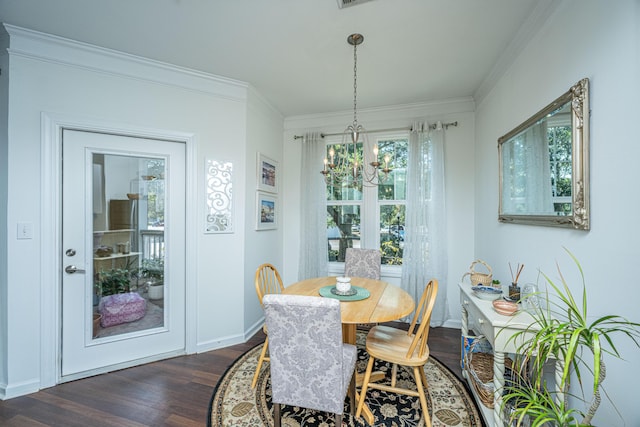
361, 293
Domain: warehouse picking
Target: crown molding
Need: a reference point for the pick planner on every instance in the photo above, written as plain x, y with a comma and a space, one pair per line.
536, 21
59, 50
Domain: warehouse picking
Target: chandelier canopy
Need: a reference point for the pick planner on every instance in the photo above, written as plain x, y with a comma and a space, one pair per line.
348, 165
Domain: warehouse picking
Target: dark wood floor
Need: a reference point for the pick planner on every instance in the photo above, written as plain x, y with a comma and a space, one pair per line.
173, 392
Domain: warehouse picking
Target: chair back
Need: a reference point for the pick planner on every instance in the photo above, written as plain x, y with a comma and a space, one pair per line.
362, 263
267, 281
306, 351
422, 313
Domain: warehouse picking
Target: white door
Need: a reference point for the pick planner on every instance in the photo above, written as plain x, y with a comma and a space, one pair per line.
123, 237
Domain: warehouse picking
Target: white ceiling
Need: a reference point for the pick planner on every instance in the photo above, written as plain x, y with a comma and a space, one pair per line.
295, 52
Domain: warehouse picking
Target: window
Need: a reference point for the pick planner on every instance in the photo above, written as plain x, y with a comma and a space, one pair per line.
368, 216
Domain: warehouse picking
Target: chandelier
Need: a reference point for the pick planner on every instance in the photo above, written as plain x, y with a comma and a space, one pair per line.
347, 165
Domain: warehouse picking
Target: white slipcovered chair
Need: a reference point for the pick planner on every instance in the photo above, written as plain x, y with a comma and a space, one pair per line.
362, 263
310, 365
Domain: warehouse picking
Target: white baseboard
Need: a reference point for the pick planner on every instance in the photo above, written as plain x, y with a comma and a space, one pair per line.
453, 323
9, 391
230, 339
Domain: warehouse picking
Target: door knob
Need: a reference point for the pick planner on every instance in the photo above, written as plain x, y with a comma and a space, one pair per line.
70, 269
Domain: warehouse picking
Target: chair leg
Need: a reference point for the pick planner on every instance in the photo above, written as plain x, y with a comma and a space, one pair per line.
262, 358
352, 395
394, 374
276, 415
365, 384
425, 384
423, 398
338, 420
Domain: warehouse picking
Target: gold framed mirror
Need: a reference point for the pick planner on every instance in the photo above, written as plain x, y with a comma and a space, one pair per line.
544, 165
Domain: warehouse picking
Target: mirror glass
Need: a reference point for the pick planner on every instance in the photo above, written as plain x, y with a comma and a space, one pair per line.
544, 172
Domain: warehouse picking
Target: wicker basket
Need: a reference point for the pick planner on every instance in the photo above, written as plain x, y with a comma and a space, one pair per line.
479, 279
479, 366
472, 342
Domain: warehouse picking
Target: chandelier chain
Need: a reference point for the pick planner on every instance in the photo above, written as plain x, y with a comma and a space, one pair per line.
355, 84
352, 169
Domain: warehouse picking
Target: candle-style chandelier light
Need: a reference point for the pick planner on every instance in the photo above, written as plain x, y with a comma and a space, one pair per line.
347, 165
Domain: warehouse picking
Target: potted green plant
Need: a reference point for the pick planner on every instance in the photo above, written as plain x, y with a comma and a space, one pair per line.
563, 331
153, 269
114, 281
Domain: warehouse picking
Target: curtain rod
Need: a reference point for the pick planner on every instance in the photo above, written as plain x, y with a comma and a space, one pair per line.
432, 127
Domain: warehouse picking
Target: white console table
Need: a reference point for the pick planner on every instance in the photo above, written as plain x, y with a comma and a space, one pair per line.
479, 315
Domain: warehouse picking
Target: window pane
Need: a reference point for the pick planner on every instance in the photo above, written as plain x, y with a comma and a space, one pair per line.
344, 155
394, 186
392, 233
343, 230
340, 190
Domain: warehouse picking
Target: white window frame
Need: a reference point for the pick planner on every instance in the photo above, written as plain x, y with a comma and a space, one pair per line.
369, 205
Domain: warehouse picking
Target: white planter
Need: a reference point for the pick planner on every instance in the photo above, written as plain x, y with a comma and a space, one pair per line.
156, 291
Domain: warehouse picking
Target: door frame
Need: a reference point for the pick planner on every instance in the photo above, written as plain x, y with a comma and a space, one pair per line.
52, 125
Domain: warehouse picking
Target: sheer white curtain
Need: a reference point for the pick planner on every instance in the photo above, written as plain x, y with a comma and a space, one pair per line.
538, 170
425, 245
526, 173
313, 222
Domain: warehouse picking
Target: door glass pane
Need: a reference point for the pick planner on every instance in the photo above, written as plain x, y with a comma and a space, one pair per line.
128, 244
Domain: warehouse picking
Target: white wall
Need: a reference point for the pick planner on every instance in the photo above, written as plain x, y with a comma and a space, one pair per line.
264, 135
63, 78
600, 40
459, 154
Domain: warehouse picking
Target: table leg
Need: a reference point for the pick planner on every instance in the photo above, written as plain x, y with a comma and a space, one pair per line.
498, 384
349, 333
464, 329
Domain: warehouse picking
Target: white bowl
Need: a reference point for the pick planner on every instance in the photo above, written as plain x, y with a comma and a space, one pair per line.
487, 292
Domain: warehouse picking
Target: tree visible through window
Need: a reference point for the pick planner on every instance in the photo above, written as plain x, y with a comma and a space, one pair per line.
560, 145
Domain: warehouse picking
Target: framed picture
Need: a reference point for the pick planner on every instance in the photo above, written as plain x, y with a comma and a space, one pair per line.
268, 174
267, 211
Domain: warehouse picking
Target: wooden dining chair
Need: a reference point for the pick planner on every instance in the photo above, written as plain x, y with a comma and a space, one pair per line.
406, 348
362, 263
267, 281
311, 366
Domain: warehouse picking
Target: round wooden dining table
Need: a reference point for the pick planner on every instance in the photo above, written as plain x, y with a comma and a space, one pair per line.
385, 303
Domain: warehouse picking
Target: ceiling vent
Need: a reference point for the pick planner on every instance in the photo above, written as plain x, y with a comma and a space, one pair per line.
348, 3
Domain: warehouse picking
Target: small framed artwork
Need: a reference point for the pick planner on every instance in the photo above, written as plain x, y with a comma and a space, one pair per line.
267, 211
268, 174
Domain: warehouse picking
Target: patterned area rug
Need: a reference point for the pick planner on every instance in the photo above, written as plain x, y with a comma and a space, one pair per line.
234, 403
